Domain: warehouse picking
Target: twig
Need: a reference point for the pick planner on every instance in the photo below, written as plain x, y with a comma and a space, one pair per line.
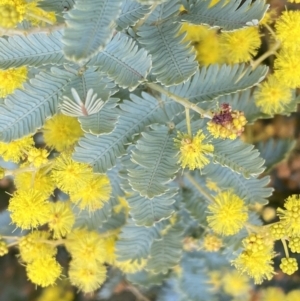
24, 32
199, 188
139, 296
183, 101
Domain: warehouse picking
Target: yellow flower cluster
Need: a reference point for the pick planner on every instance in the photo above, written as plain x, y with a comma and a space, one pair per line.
227, 204
13, 12
227, 123
194, 151
38, 254
12, 79
212, 243
213, 47
256, 258
86, 270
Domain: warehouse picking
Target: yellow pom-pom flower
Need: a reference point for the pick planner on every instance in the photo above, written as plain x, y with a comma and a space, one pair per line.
227, 123
286, 68
34, 245
235, 284
94, 194
208, 48
29, 209
37, 156
257, 265
294, 244
62, 132
87, 277
193, 150
289, 265
69, 175
86, 246
290, 216
228, 213
288, 29
16, 150
12, 12
272, 96
43, 271
212, 243
273, 294
293, 295
11, 79
61, 219
277, 231
240, 45
35, 180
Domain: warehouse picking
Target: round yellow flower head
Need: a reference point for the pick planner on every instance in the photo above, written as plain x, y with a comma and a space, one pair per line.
212, 243
193, 150
294, 244
286, 68
86, 246
227, 123
289, 265
12, 12
289, 217
257, 242
69, 175
288, 29
94, 194
43, 271
273, 294
11, 79
16, 150
29, 209
277, 231
62, 132
87, 277
61, 219
236, 284
228, 213
37, 180
257, 265
293, 295
33, 246
272, 96
240, 45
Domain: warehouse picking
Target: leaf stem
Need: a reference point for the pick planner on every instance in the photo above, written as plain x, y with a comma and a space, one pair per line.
286, 250
188, 121
183, 101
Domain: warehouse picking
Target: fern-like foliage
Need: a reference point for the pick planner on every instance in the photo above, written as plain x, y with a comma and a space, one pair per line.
124, 62
213, 81
131, 12
146, 279
156, 156
33, 50
252, 190
102, 122
173, 61
146, 212
135, 242
166, 252
89, 27
26, 110
102, 151
227, 15
238, 156
57, 6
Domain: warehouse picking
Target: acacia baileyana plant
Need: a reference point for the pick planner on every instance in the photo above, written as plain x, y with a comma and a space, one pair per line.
133, 113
